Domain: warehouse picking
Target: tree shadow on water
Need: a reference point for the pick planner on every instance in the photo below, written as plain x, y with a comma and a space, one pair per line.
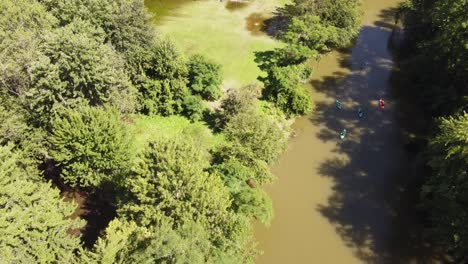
373, 202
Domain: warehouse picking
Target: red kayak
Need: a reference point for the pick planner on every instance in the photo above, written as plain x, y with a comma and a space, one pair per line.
381, 104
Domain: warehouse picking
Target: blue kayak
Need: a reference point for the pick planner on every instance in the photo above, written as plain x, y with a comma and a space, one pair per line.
338, 104
360, 113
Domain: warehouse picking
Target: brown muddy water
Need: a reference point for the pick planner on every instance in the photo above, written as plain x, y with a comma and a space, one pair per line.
348, 201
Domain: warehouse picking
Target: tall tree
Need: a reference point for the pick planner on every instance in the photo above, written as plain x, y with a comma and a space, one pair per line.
283, 88
90, 145
170, 184
205, 77
77, 67
258, 133
445, 193
34, 221
23, 24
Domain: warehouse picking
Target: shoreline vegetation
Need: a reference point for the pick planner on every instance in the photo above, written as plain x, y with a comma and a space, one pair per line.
94, 102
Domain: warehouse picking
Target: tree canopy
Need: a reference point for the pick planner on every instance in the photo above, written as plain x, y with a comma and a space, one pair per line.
90, 145
34, 223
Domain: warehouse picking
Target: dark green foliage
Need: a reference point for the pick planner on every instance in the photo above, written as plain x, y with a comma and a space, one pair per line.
163, 80
90, 145
437, 58
434, 58
292, 54
193, 107
445, 193
283, 87
309, 31
247, 200
339, 20
205, 77
33, 223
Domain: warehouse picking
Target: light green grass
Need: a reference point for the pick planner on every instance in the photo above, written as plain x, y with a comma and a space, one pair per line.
208, 28
147, 128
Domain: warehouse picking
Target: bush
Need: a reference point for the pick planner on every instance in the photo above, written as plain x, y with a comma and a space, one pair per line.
193, 107
205, 77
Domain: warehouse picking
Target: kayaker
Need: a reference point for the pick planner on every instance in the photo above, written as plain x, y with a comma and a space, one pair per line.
338, 104
381, 103
343, 134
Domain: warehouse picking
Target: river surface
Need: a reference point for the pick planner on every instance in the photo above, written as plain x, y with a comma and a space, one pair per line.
335, 201
347, 201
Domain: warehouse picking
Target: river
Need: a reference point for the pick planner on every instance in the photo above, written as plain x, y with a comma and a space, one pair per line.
335, 201
348, 201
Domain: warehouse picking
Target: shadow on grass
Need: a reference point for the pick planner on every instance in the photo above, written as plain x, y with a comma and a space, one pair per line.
376, 188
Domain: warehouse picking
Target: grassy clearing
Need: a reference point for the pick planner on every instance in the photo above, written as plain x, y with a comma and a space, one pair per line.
209, 28
146, 128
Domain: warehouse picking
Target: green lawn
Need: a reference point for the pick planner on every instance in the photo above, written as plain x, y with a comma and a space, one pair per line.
209, 28
146, 128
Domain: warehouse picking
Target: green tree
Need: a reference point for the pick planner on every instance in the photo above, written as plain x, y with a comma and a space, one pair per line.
445, 192
436, 55
246, 200
169, 180
126, 23
344, 16
34, 221
90, 145
170, 184
77, 67
162, 80
293, 54
283, 88
205, 77
22, 27
258, 133
237, 101
309, 30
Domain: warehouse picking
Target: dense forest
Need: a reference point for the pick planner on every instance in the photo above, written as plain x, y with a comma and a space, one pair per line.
434, 59
80, 83
86, 85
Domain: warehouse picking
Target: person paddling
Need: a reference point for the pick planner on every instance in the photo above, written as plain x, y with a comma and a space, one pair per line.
381, 103
338, 104
343, 134
360, 113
